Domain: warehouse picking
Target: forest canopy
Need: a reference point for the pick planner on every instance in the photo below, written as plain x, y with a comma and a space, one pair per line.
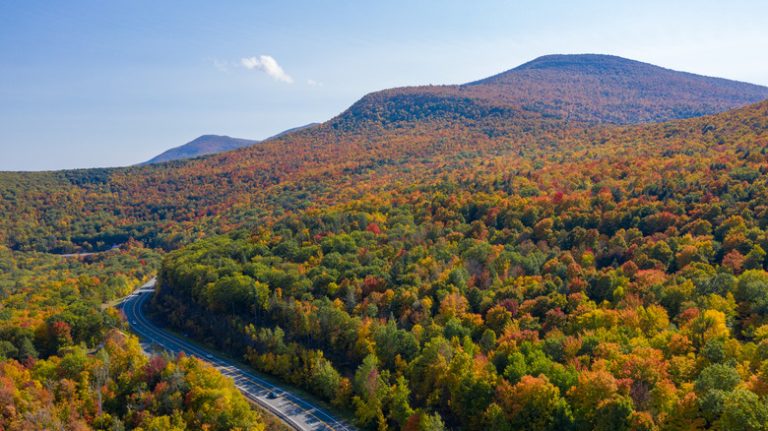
433, 258
628, 294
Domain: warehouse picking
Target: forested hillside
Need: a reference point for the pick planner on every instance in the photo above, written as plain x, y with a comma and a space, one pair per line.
614, 281
392, 135
518, 252
573, 88
65, 364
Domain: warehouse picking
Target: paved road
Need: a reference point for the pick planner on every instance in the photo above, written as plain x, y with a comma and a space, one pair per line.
295, 411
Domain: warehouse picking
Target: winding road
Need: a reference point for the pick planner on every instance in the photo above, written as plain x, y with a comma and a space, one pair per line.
291, 408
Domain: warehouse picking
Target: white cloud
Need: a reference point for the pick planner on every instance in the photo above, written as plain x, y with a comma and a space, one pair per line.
314, 83
268, 65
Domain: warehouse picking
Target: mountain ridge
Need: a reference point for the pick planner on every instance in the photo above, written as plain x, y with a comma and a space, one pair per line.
209, 144
589, 88
201, 146
381, 138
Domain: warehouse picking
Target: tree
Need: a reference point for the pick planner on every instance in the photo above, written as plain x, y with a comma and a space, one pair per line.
614, 414
534, 404
431, 422
755, 259
752, 290
744, 411
323, 378
371, 388
399, 406
392, 342
429, 371
709, 325
712, 387
516, 367
592, 389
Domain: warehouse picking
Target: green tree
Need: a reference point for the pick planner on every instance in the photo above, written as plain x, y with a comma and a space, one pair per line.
399, 405
744, 411
323, 378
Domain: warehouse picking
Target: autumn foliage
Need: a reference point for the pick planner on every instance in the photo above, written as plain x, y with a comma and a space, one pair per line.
432, 258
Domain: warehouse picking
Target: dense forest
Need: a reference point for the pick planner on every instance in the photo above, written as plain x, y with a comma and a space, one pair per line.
66, 363
517, 253
625, 295
387, 139
118, 387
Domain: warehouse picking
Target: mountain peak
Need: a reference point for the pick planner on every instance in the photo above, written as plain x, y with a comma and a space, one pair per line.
212, 144
201, 146
586, 88
581, 62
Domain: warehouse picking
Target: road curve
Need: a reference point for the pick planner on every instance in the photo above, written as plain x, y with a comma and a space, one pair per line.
295, 411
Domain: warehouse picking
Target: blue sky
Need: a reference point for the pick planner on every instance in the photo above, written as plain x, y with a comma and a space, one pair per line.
112, 83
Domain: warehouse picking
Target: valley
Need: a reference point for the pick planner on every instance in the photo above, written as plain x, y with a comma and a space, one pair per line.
578, 243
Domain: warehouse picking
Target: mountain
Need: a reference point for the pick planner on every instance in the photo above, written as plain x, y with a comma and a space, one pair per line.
507, 252
204, 145
387, 138
213, 144
576, 88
